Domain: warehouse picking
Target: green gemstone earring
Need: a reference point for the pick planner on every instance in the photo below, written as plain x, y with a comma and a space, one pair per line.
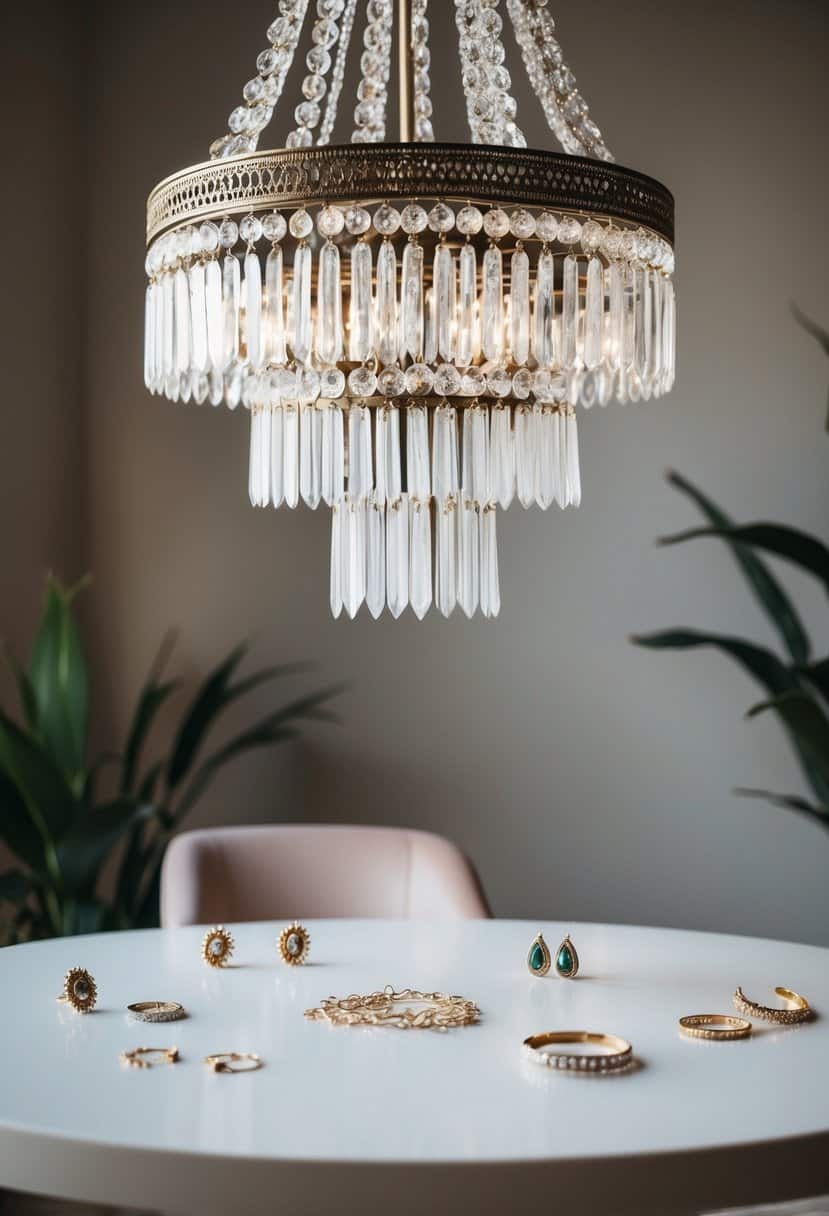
567, 960
539, 959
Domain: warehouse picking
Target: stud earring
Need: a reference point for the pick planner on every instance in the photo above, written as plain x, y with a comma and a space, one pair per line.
294, 944
538, 959
567, 960
217, 947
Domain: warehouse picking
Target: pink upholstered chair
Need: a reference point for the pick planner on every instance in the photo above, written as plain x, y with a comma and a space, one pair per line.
315, 870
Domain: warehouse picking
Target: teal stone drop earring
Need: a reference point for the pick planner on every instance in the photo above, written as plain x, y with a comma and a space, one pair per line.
567, 960
538, 959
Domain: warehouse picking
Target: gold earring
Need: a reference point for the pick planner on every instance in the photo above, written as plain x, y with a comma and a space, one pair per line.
79, 990
217, 946
538, 959
294, 944
567, 960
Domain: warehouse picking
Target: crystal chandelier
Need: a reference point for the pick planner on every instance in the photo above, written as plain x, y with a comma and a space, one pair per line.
411, 326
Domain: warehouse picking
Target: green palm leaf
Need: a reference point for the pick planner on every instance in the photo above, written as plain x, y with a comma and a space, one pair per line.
59, 681
789, 543
773, 599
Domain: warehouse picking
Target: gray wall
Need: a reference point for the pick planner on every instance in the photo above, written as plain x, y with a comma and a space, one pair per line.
588, 779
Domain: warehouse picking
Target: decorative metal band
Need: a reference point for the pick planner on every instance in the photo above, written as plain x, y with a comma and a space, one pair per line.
293, 177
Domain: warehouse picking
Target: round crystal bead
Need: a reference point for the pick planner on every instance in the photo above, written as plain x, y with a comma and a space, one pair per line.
498, 382
330, 222
391, 382
280, 31
228, 233
611, 242
473, 382
362, 382
424, 131
629, 246
324, 33
238, 119
254, 89
522, 224
447, 380
470, 220
387, 220
522, 383
569, 230
208, 237
267, 62
419, 378
313, 87
307, 113
250, 229
413, 218
307, 385
284, 383
546, 226
301, 224
318, 60
592, 235
332, 383
300, 138
274, 226
357, 221
441, 218
496, 223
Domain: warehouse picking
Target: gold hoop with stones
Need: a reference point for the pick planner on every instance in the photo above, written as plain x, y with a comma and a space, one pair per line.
801, 1012
294, 944
715, 1026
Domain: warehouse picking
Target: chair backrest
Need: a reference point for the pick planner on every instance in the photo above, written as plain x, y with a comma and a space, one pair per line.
314, 871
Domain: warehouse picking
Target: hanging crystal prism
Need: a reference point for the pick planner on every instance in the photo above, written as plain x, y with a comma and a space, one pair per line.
277, 458
182, 325
360, 480
465, 351
329, 329
253, 308
360, 330
301, 314
525, 454
411, 302
444, 279
520, 306
492, 304
490, 594
332, 454
569, 311
501, 455
354, 554
593, 313
387, 303
198, 316
420, 577
290, 451
397, 554
274, 322
446, 541
213, 309
417, 453
230, 308
468, 550
375, 556
336, 576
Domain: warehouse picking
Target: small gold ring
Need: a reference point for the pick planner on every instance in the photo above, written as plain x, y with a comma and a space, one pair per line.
135, 1056
157, 1011
223, 1061
715, 1026
782, 1017
619, 1054
79, 990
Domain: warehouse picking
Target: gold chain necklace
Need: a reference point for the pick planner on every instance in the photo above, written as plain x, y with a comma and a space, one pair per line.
439, 1012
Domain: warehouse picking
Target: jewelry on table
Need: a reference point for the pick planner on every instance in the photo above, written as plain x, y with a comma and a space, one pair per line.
294, 943
619, 1054
217, 946
224, 1061
715, 1026
135, 1056
539, 959
79, 990
440, 1012
157, 1011
567, 960
783, 1017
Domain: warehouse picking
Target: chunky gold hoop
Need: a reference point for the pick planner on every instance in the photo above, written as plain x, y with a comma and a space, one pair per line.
715, 1026
801, 1012
619, 1053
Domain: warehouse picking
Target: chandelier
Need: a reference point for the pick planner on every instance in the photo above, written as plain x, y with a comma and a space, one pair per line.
412, 326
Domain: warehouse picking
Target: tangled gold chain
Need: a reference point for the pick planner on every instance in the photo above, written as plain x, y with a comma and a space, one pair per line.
441, 1012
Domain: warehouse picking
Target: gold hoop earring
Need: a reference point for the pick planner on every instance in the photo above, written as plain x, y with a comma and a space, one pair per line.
135, 1056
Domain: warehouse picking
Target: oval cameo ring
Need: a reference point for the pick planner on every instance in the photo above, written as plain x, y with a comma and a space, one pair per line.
294, 944
79, 990
217, 946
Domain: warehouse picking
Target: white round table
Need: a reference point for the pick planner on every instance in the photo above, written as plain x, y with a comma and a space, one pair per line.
368, 1119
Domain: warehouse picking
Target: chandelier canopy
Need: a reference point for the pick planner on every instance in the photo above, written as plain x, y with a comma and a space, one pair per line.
411, 326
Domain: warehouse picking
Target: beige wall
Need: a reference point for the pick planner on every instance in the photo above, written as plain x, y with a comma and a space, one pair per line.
588, 779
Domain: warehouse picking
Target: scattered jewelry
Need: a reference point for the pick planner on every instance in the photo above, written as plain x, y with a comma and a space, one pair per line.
439, 1012
135, 1057
715, 1026
224, 1061
157, 1011
801, 1012
294, 943
79, 990
217, 946
619, 1054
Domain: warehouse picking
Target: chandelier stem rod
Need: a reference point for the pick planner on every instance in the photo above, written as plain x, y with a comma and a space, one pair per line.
405, 70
